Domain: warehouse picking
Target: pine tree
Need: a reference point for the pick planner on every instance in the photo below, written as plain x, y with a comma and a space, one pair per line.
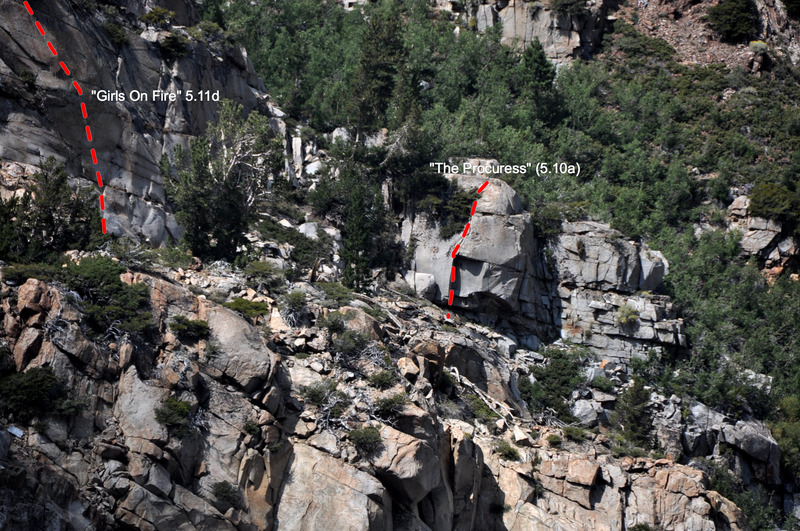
633, 416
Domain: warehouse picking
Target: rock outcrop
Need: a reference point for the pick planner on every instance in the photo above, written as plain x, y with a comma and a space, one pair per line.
576, 286
564, 35
41, 118
260, 452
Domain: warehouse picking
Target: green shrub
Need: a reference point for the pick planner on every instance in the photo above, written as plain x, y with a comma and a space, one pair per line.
574, 433
626, 315
175, 415
350, 344
29, 394
334, 322
383, 379
641, 527
735, 20
554, 440
318, 393
189, 329
158, 16
223, 490
572, 7
479, 409
772, 201
792, 8
305, 250
602, 383
506, 451
248, 308
366, 440
295, 302
554, 383
116, 33
107, 301
172, 257
336, 292
633, 416
265, 274
29, 78
391, 405
251, 428
174, 46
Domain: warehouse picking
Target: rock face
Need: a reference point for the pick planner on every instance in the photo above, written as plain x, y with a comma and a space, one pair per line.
606, 493
258, 452
39, 121
575, 286
564, 36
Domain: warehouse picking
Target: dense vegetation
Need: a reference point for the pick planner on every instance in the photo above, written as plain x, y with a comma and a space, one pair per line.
658, 146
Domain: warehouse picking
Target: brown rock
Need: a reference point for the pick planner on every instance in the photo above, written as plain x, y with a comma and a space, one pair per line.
358, 320
582, 472
27, 347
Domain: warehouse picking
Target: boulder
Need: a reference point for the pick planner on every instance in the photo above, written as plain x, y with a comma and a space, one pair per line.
135, 408
243, 355
408, 466
320, 492
27, 347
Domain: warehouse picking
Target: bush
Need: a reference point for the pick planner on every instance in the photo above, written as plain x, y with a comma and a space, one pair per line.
735, 20
366, 440
334, 322
29, 78
554, 440
175, 415
772, 201
251, 428
554, 383
107, 301
318, 393
506, 451
571, 7
391, 405
602, 383
295, 302
479, 409
116, 34
248, 308
382, 379
223, 490
350, 344
158, 16
305, 251
632, 415
626, 315
174, 46
29, 394
189, 329
336, 292
574, 433
265, 274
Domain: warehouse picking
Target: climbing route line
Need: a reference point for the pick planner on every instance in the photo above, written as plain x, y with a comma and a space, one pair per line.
458, 246
84, 114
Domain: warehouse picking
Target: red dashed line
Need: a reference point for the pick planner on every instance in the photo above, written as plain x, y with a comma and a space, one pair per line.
458, 246
83, 106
